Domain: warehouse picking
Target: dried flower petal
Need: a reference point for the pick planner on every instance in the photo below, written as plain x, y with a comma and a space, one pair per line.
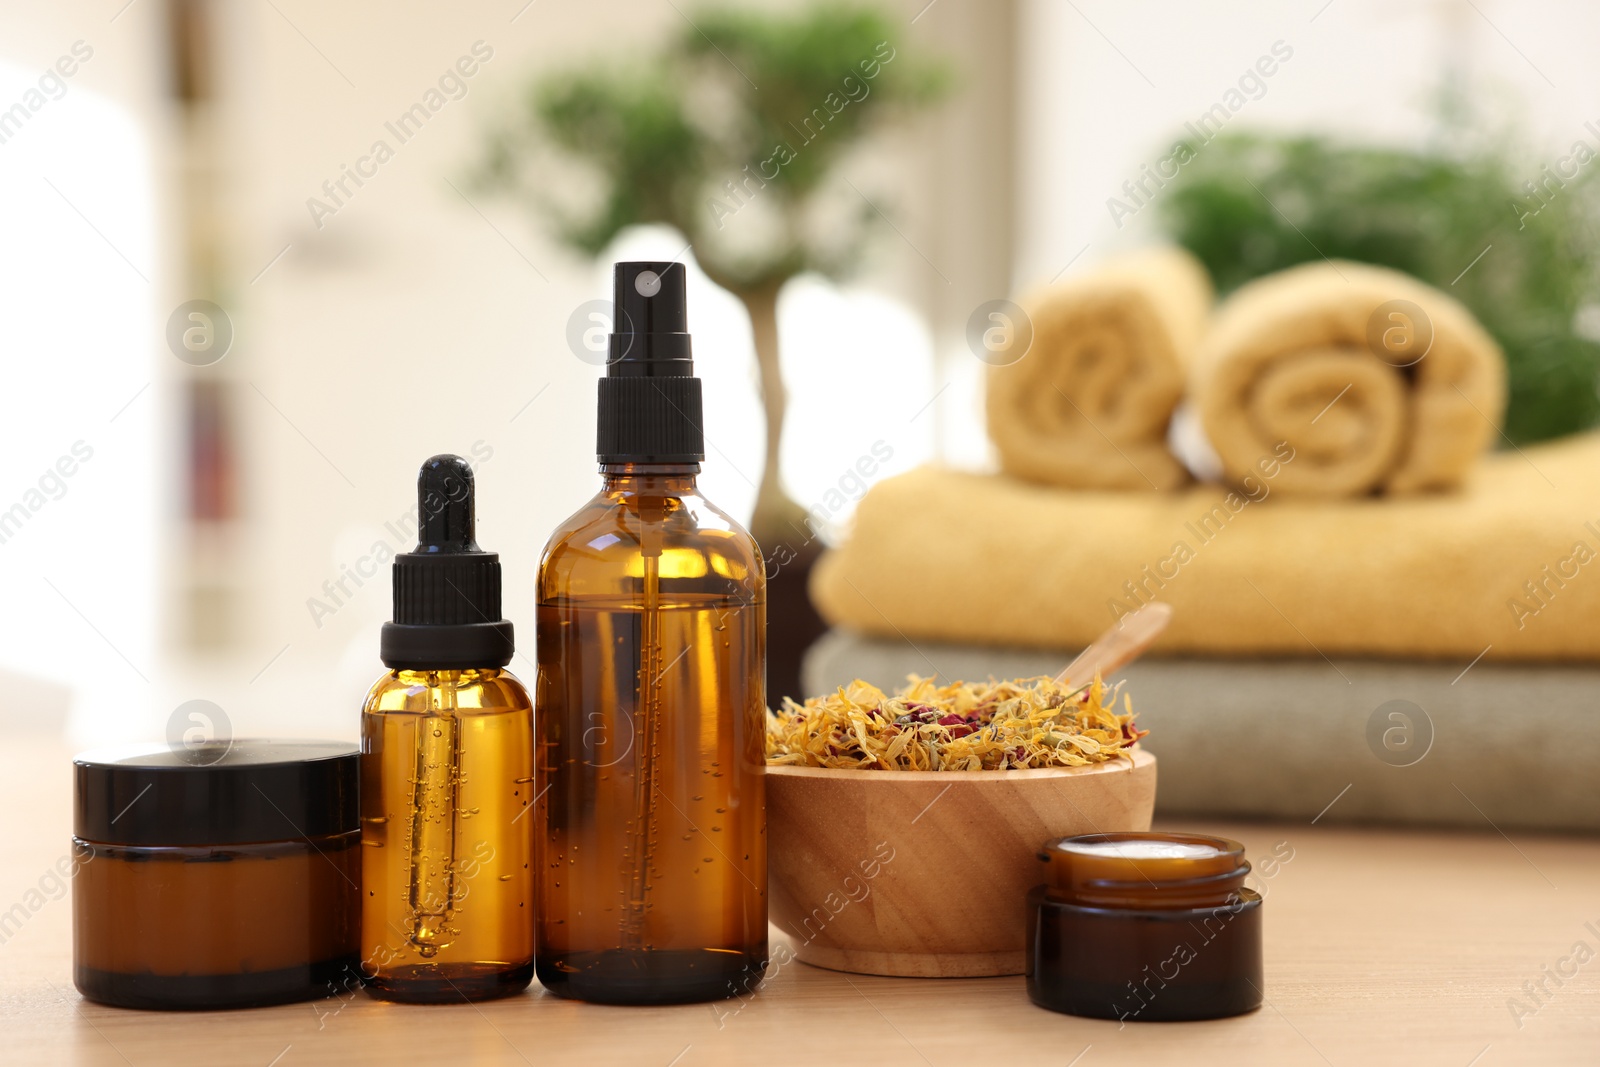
1030, 722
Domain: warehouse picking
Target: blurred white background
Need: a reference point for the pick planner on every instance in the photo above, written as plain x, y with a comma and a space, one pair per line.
420, 318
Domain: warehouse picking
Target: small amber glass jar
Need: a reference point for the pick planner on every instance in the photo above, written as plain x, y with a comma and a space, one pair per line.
225, 875
1146, 927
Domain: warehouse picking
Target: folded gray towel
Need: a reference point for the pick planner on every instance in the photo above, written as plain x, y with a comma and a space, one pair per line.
1494, 747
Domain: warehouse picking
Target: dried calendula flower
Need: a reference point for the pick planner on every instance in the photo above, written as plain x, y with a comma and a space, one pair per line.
1030, 722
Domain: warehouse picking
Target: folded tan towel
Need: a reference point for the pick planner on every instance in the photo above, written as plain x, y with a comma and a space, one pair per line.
1512, 562
1295, 357
1088, 406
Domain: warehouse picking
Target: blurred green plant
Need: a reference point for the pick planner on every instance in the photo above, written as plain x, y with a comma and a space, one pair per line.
1250, 204
731, 134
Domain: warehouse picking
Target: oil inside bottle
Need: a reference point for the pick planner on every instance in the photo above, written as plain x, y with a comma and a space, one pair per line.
446, 895
663, 900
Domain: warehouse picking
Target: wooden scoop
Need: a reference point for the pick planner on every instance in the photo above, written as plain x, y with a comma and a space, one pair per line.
1118, 646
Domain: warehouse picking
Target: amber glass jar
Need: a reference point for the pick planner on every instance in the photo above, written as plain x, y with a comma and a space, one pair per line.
1145, 927
651, 822
222, 876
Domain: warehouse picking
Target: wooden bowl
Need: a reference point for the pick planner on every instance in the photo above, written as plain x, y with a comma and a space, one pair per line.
924, 873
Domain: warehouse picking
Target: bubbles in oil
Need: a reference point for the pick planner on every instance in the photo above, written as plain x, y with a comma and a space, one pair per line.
457, 882
646, 861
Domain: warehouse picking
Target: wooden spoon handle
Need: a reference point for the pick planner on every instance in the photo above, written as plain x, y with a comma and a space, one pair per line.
1118, 646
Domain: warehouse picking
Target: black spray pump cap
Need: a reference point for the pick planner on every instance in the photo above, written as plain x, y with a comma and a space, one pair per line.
447, 590
650, 408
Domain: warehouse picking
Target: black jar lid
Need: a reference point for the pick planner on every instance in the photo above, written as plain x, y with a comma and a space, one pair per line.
219, 793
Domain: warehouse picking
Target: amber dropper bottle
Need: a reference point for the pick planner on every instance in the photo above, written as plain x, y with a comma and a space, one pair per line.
651, 820
446, 772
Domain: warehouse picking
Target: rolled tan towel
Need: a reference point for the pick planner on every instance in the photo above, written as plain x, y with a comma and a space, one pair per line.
1295, 357
1088, 405
1512, 561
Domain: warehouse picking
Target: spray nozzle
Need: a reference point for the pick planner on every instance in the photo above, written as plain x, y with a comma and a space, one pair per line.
650, 331
650, 408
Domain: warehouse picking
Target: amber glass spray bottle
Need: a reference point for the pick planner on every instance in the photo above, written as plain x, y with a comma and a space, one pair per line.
446, 772
652, 810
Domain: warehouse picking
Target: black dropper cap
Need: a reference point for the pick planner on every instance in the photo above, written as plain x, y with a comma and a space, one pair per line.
446, 591
650, 408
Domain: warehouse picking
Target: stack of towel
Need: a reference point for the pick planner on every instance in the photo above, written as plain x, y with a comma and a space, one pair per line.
1350, 407
1342, 590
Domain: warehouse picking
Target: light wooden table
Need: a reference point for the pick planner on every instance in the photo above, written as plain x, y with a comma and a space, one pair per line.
1382, 947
